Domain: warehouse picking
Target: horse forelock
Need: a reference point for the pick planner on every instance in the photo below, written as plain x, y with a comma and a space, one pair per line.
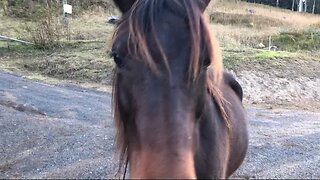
143, 19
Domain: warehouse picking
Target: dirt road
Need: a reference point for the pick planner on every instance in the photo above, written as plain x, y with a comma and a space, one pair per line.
65, 131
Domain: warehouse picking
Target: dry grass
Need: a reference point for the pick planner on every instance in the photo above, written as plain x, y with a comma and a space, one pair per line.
295, 19
85, 57
9, 26
91, 26
246, 20
236, 28
242, 37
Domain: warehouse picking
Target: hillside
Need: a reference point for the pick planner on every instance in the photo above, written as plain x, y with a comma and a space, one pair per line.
244, 38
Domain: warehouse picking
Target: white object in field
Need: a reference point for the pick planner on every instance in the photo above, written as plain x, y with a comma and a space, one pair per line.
112, 19
67, 9
261, 45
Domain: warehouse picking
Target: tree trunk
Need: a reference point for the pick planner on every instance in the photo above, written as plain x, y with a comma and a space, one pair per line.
305, 5
278, 3
314, 6
300, 6
293, 4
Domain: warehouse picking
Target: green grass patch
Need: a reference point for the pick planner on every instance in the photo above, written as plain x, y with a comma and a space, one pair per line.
81, 61
316, 26
294, 41
79, 68
6, 46
235, 59
14, 49
262, 60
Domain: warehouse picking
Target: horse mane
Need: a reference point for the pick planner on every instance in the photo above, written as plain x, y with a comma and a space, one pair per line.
142, 19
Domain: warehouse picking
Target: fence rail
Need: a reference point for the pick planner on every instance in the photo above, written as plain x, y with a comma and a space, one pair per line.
5, 38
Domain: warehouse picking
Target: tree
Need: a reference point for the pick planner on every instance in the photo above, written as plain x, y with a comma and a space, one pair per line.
292, 8
300, 6
294, 5
305, 5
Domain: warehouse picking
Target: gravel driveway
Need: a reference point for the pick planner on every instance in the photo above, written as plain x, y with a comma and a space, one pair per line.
75, 137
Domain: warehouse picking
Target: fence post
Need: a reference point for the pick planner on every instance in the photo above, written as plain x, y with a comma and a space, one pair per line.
293, 5
66, 19
270, 43
64, 14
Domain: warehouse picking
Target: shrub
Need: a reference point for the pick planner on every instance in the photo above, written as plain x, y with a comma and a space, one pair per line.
293, 41
45, 30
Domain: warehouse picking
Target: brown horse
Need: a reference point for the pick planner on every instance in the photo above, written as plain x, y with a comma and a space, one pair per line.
178, 115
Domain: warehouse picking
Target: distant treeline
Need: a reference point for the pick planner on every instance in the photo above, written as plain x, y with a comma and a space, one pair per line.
310, 6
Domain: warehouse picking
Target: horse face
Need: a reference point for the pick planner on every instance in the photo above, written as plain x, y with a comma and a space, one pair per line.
158, 106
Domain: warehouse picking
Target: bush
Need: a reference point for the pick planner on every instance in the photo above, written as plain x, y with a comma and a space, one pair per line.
293, 41
46, 34
44, 29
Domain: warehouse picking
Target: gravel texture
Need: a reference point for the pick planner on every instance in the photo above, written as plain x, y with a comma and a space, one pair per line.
283, 144
75, 137
279, 89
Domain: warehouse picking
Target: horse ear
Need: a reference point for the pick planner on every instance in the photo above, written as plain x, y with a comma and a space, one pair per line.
124, 5
203, 4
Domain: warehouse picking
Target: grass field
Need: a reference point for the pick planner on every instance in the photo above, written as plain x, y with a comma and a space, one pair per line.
85, 57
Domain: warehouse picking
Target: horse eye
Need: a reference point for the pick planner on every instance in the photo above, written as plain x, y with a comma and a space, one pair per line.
117, 59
